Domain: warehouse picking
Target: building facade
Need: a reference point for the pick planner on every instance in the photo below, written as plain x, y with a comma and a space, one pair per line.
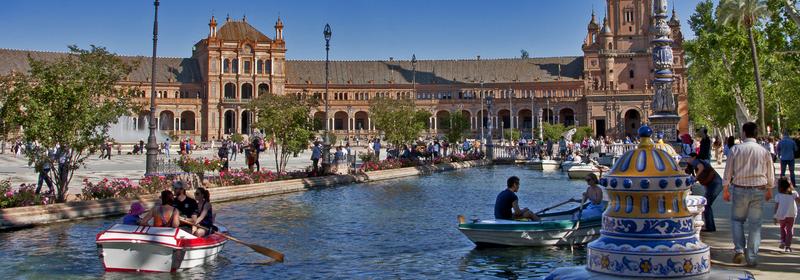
607, 88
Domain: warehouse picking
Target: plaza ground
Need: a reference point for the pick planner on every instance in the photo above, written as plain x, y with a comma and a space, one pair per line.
133, 166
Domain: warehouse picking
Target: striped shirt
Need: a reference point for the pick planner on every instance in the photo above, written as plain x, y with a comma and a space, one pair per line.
750, 165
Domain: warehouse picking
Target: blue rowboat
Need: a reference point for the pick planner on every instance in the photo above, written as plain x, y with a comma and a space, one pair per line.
554, 229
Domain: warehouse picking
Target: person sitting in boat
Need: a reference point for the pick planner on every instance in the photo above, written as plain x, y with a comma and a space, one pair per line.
593, 195
163, 215
577, 158
507, 201
132, 218
186, 205
205, 214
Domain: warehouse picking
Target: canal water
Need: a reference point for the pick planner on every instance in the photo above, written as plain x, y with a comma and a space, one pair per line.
397, 229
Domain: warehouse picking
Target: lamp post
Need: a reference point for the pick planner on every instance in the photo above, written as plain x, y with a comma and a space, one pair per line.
326, 150
489, 146
483, 115
152, 146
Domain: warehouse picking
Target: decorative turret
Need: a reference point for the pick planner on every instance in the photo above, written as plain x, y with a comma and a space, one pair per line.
606, 36
279, 30
212, 28
674, 22
592, 34
593, 22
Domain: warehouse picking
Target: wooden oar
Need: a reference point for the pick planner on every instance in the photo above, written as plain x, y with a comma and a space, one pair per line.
278, 256
554, 206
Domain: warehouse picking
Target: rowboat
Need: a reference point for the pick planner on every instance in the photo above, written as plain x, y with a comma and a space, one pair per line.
567, 164
544, 164
131, 248
579, 171
553, 229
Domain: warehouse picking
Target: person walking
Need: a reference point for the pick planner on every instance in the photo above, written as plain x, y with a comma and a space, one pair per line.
786, 211
705, 145
786, 149
316, 154
377, 147
717, 147
166, 147
222, 153
44, 170
710, 179
748, 182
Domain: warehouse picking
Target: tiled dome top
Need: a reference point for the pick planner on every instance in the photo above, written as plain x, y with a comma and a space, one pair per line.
646, 160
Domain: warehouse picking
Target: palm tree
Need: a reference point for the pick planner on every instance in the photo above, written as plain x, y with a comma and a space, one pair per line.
791, 10
747, 13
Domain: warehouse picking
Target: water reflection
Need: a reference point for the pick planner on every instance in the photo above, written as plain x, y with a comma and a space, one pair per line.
514, 263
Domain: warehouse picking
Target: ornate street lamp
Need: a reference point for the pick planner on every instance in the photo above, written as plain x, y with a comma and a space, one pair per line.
489, 146
152, 146
326, 150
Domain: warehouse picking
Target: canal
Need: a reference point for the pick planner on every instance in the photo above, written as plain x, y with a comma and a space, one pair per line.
404, 228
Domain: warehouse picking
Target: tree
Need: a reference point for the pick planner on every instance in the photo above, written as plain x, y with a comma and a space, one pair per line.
456, 124
791, 10
524, 54
69, 104
512, 135
398, 119
285, 119
553, 131
746, 14
582, 132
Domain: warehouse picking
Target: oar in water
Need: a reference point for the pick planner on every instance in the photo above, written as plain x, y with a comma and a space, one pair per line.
554, 206
278, 256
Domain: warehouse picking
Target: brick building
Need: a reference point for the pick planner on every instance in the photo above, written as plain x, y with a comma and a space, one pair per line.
608, 88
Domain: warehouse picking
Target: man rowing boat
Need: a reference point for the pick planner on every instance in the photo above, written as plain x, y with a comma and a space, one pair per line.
507, 201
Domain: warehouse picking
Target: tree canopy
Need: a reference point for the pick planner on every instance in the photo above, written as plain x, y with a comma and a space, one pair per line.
68, 103
286, 120
721, 74
399, 119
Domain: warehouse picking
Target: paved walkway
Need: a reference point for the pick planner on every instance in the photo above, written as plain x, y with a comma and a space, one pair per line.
773, 262
131, 166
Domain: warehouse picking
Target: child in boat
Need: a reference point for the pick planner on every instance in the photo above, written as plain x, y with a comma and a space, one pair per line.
132, 218
205, 213
593, 195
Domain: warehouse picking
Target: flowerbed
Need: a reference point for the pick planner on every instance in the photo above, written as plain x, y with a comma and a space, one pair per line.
25, 195
199, 166
121, 188
244, 176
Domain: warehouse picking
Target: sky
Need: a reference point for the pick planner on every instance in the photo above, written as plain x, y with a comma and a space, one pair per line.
362, 29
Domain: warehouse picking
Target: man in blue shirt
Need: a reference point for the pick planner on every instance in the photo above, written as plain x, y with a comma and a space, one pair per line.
507, 201
316, 154
786, 149
377, 148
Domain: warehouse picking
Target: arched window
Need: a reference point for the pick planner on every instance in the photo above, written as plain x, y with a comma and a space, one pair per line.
247, 91
610, 46
226, 66
630, 73
260, 67
236, 65
230, 91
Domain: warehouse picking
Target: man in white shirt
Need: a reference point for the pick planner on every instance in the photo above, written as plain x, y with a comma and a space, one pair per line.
748, 181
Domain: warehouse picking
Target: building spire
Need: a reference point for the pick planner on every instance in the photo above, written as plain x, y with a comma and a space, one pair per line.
212, 27
674, 21
593, 22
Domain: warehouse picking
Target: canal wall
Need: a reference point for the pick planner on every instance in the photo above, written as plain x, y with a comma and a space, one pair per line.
23, 217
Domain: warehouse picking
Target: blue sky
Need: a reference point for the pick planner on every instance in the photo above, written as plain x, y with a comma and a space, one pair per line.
362, 29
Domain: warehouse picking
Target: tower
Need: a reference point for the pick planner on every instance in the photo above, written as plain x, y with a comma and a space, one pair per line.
279, 30
212, 28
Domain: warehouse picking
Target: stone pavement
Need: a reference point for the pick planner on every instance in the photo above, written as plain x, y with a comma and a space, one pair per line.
773, 262
132, 166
